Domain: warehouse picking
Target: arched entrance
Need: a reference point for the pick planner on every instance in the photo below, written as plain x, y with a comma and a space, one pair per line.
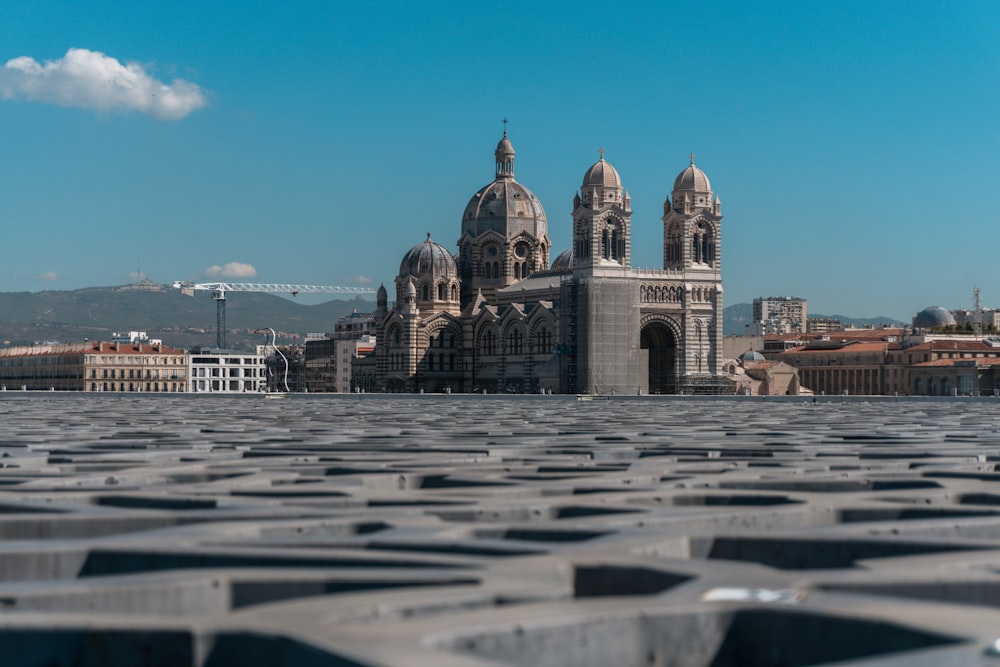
657, 339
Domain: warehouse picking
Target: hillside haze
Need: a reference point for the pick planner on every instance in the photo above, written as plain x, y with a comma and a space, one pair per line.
181, 321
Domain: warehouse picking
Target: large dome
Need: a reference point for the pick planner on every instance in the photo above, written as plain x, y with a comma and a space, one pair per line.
933, 317
428, 260
602, 174
693, 179
564, 262
504, 206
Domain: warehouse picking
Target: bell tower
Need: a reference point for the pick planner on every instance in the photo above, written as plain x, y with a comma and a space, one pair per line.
692, 249
691, 224
602, 220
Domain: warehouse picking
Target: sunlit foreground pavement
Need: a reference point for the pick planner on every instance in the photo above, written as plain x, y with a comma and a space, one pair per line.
459, 531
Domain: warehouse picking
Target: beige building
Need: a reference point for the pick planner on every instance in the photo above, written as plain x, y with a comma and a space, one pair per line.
779, 315
978, 376
753, 375
823, 325
845, 367
891, 361
982, 320
96, 367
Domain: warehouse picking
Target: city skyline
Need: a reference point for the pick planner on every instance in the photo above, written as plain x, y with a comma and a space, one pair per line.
850, 144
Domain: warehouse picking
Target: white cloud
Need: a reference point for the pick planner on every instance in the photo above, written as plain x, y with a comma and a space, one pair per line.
47, 277
92, 80
231, 270
359, 280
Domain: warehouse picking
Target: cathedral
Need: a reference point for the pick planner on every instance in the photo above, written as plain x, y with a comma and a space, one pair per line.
497, 316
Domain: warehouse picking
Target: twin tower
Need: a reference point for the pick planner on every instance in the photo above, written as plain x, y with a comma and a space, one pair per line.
498, 317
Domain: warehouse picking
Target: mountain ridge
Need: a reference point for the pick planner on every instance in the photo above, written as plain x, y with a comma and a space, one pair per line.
163, 312
181, 321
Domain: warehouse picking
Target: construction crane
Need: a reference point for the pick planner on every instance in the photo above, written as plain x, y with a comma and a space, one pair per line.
219, 290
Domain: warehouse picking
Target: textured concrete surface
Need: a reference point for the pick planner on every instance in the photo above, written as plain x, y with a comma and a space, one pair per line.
461, 531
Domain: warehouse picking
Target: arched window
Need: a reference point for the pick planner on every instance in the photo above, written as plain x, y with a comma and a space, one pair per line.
442, 292
425, 292
488, 343
454, 292
543, 340
515, 342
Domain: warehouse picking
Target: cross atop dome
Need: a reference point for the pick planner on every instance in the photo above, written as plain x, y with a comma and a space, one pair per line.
692, 159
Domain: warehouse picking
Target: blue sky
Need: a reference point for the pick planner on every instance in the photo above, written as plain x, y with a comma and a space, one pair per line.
853, 144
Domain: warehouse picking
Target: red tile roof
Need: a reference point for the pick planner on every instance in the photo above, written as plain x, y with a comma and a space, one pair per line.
97, 347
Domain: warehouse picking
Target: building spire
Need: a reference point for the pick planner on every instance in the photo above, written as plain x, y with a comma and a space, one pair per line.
505, 156
602, 153
692, 159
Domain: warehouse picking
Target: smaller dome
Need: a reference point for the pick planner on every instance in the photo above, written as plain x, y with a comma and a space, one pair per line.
934, 317
427, 259
692, 178
564, 261
752, 355
505, 147
602, 174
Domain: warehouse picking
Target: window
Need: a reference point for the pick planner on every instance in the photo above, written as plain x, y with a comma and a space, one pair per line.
543, 341
515, 342
488, 343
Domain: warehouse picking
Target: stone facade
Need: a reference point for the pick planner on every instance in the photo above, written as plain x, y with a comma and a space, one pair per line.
97, 366
497, 317
891, 361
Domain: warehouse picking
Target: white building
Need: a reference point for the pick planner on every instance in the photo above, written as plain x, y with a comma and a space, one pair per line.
216, 371
134, 337
346, 352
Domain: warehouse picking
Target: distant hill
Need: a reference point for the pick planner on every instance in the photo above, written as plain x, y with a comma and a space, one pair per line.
737, 316
163, 312
182, 321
